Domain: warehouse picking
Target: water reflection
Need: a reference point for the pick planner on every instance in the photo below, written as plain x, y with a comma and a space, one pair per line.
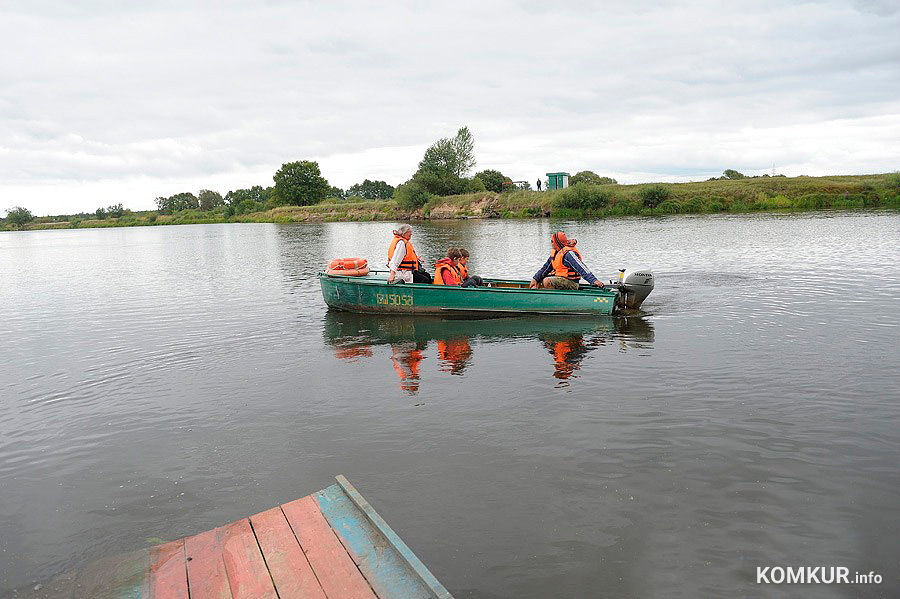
568, 340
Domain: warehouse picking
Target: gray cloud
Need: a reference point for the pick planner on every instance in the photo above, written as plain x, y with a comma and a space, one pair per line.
105, 99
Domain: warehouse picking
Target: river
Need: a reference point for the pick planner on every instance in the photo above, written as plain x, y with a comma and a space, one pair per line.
161, 381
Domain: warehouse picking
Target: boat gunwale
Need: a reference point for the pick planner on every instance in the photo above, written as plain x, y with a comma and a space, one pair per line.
587, 290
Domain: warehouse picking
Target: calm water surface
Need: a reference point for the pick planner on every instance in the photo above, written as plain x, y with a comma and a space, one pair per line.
157, 382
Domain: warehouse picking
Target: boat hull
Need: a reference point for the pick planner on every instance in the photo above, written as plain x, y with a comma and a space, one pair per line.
372, 294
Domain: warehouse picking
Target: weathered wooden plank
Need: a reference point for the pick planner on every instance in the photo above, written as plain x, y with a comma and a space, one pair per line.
415, 564
388, 574
168, 571
293, 576
207, 577
333, 566
247, 573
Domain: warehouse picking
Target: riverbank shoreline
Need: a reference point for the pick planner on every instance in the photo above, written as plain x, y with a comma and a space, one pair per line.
737, 196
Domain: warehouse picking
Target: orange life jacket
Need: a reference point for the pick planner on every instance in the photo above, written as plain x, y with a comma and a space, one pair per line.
463, 271
445, 264
562, 270
410, 261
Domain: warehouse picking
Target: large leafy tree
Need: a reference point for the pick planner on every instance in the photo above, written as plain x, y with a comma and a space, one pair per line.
591, 178
493, 180
451, 156
209, 199
180, 201
733, 174
371, 190
18, 216
300, 183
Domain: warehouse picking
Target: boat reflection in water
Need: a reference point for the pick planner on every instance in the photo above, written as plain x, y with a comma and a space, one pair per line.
567, 339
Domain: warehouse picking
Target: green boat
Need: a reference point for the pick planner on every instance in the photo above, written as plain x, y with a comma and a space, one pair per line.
372, 294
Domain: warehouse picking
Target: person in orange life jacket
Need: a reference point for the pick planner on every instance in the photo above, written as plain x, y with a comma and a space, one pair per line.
403, 262
467, 281
446, 270
564, 268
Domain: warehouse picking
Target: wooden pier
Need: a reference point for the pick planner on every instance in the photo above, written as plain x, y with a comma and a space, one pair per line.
328, 545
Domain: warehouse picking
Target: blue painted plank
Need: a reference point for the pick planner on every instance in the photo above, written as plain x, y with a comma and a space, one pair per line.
380, 562
414, 563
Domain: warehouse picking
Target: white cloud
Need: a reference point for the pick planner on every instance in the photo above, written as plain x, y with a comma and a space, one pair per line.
104, 102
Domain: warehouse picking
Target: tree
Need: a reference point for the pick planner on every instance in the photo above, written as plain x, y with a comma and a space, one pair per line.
493, 180
336, 192
438, 183
115, 211
411, 195
446, 163
208, 199
19, 216
591, 178
180, 201
733, 174
454, 156
371, 190
256, 193
300, 183
100, 214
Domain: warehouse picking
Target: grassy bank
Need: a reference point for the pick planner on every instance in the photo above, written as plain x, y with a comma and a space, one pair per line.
740, 195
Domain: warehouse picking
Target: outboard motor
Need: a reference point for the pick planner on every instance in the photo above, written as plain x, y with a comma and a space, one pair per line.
634, 284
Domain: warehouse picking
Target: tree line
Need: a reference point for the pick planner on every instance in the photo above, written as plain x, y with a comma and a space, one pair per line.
444, 170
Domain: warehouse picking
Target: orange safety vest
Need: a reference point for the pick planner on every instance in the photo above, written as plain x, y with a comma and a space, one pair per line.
439, 269
463, 271
562, 270
410, 261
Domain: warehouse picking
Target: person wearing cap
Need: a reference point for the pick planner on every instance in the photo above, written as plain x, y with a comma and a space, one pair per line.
564, 268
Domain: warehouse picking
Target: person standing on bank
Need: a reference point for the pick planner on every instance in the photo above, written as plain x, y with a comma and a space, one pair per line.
539, 184
564, 268
402, 258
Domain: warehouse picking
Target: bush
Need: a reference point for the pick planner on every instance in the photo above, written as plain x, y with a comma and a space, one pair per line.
582, 196
893, 181
475, 185
669, 207
654, 195
411, 196
694, 204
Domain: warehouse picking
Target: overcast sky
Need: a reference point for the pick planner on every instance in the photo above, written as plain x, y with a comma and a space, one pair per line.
103, 101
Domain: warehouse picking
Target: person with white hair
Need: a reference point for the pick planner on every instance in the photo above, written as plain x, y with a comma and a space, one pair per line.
402, 257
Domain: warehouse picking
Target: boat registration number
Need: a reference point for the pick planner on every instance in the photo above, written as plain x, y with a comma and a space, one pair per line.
393, 299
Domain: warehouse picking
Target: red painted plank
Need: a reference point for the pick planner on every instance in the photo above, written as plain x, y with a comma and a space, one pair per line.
287, 564
247, 572
206, 569
168, 571
333, 566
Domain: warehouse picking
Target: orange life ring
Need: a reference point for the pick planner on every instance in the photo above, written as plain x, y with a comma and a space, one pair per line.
348, 272
348, 264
